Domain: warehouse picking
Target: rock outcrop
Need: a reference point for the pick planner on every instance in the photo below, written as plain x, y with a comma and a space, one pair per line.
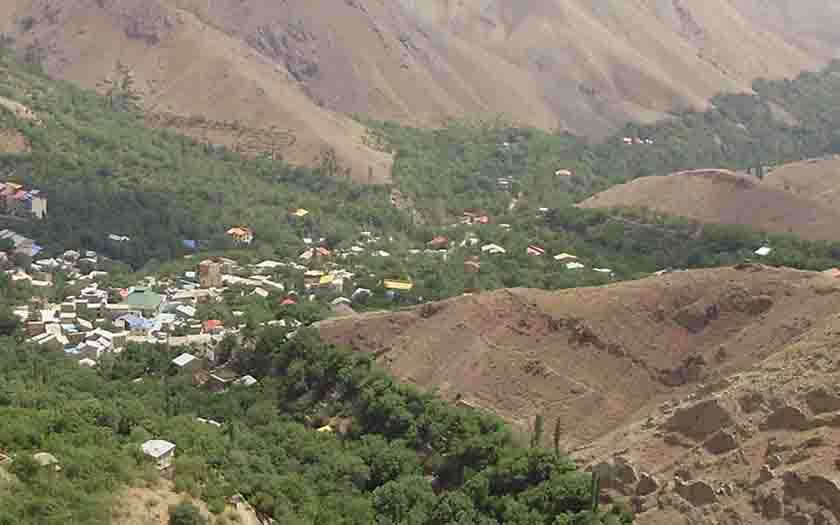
700, 419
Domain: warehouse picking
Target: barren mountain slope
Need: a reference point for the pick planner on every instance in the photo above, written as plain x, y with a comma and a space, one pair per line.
615, 351
574, 64
186, 67
711, 394
758, 447
805, 208
815, 179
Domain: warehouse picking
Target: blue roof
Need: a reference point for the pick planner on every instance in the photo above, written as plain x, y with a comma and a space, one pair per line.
135, 321
190, 244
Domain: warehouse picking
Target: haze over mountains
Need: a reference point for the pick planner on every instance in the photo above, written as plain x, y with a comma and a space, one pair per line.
304, 66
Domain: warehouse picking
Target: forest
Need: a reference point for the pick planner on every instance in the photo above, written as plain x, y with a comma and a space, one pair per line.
396, 456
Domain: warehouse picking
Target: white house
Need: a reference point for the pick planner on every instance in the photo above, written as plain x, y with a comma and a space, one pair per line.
493, 249
161, 451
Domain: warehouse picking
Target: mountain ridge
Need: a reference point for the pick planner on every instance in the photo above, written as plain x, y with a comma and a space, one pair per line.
304, 66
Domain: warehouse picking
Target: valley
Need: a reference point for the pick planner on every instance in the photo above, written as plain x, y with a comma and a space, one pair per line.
545, 262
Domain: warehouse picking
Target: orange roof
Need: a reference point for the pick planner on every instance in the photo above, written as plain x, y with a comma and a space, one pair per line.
239, 230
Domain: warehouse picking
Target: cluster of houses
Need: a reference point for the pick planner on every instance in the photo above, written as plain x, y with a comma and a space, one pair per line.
20, 244
17, 200
630, 141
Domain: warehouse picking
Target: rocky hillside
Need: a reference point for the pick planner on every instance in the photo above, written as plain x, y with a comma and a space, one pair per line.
713, 392
300, 65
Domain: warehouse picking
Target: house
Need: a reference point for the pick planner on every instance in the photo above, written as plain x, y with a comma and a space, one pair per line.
87, 363
213, 326
187, 312
312, 277
190, 244
220, 380
493, 249
535, 250
341, 300
565, 257
574, 266
261, 292
144, 301
45, 459
187, 362
246, 381
288, 301
17, 200
118, 238
563, 173
397, 286
439, 242
269, 265
300, 213
241, 235
211, 422
163, 452
360, 294
210, 274
470, 242
472, 266
764, 251
603, 270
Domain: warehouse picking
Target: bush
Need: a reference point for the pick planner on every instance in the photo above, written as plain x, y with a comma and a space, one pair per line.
185, 513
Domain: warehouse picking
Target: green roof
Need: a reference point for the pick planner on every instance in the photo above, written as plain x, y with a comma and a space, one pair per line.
143, 299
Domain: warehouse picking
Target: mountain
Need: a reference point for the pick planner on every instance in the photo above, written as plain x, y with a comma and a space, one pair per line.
798, 199
706, 396
303, 65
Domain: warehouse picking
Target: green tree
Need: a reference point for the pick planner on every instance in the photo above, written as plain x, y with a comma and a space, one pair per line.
536, 436
185, 513
9, 322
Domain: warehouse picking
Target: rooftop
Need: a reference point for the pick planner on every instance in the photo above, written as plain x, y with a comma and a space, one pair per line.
157, 448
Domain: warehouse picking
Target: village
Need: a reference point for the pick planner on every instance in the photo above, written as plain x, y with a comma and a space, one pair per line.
74, 307
88, 319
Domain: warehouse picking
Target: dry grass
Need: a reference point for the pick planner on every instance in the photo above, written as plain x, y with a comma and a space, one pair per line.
522, 352
783, 203
150, 506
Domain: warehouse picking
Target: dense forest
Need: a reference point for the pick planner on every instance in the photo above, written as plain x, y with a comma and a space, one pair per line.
396, 456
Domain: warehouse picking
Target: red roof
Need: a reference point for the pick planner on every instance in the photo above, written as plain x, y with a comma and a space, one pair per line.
212, 324
288, 302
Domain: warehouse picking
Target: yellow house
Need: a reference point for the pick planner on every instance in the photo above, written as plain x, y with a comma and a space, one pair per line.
300, 212
402, 286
